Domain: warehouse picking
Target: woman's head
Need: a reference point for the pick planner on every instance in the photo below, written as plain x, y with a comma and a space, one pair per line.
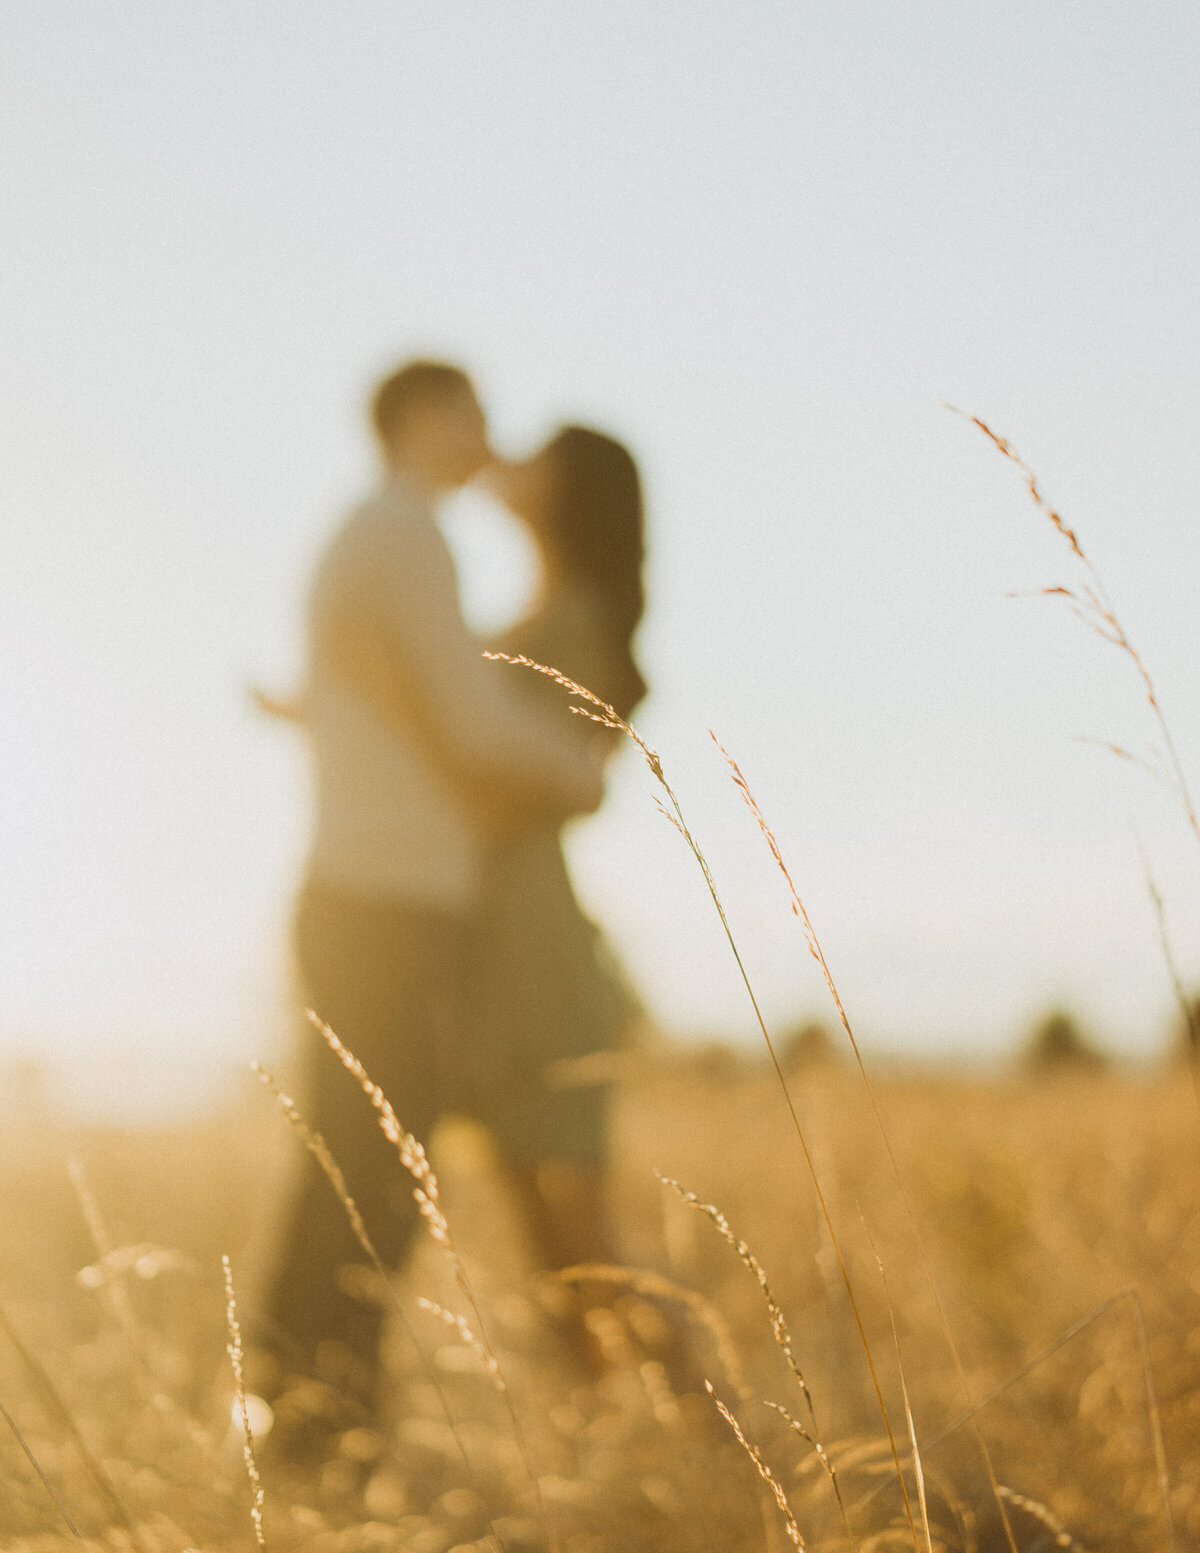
582, 497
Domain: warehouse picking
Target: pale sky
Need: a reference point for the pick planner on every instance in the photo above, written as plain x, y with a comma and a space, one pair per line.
761, 242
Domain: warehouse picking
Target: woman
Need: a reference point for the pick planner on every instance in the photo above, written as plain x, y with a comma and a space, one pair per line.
545, 988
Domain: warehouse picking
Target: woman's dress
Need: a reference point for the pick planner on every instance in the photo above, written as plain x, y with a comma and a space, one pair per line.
547, 987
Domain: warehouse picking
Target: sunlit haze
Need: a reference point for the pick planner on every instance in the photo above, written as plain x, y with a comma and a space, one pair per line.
764, 244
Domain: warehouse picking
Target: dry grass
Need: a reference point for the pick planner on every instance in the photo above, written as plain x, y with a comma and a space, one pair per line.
1012, 1265
1037, 1202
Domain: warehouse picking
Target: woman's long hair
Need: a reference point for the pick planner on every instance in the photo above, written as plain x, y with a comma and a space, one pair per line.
595, 529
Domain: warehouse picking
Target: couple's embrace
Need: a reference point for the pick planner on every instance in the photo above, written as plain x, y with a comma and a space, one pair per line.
437, 931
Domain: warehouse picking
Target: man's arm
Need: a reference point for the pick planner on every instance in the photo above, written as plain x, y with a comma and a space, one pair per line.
418, 661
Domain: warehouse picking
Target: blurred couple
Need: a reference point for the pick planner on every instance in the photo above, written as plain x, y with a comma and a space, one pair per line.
437, 931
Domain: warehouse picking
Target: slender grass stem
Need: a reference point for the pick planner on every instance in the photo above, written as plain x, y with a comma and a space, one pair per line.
42, 1478
427, 1197
1093, 604
63, 1413
800, 911
234, 1350
323, 1155
601, 712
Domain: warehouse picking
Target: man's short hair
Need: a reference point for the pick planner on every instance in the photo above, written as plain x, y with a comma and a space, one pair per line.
412, 387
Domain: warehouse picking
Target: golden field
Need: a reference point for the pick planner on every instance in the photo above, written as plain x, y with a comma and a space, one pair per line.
1037, 1199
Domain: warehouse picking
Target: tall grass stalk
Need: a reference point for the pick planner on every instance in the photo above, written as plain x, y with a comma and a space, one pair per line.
141, 1342
1092, 603
1185, 1005
601, 712
460, 1325
918, 1466
65, 1417
322, 1154
1153, 1411
428, 1200
764, 1472
779, 1331
234, 1350
42, 1478
800, 911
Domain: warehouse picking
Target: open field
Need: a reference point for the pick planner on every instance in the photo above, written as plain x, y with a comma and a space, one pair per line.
1037, 1201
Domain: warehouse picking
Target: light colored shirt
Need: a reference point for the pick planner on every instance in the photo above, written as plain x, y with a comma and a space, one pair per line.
403, 713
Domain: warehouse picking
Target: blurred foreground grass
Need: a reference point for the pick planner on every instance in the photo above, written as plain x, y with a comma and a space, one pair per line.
1038, 1199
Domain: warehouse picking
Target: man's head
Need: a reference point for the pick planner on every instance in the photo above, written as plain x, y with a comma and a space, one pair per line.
429, 424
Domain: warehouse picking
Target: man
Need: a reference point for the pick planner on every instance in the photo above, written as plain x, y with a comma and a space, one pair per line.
414, 736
